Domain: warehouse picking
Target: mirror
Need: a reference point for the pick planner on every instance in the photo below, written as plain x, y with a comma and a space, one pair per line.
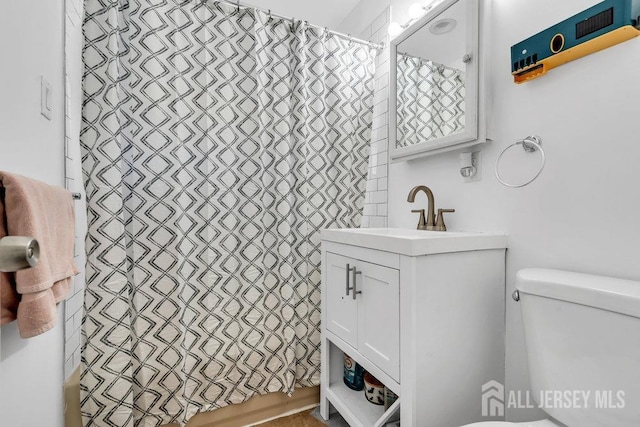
434, 88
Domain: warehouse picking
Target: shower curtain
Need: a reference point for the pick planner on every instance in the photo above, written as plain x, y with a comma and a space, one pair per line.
216, 143
430, 100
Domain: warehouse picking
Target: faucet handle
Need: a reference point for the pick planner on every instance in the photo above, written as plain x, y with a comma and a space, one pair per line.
440, 220
422, 222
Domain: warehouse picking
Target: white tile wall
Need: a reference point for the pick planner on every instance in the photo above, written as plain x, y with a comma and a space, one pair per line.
375, 203
73, 100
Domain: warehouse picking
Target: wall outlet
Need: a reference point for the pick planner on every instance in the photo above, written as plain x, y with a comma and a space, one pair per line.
476, 162
45, 98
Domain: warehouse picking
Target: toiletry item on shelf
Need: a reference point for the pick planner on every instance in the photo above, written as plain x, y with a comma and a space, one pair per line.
353, 374
373, 389
389, 398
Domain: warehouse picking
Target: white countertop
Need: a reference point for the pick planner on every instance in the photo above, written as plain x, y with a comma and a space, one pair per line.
415, 242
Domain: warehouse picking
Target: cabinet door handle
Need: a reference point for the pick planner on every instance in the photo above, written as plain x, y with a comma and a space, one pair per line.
348, 288
354, 274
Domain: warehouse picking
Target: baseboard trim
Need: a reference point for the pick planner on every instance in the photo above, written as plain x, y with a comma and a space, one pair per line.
256, 410
259, 409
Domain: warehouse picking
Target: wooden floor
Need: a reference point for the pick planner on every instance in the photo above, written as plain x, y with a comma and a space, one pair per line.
301, 419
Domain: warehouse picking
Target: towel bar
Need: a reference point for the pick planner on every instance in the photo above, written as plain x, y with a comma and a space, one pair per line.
17, 252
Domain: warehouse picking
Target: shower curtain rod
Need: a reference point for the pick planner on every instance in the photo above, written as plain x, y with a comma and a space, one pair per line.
378, 46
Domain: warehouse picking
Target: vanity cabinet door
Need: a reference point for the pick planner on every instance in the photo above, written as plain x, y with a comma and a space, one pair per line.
379, 316
342, 309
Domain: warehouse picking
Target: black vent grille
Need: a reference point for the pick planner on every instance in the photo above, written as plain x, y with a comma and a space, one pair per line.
595, 23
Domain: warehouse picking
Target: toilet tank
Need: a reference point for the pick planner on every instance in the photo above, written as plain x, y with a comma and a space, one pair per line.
582, 337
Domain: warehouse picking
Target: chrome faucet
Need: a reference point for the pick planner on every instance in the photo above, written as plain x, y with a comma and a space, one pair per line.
428, 222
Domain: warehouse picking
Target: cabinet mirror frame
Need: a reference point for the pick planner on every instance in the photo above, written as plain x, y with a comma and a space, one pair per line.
473, 133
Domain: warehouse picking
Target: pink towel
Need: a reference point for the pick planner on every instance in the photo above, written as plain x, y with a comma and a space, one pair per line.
44, 212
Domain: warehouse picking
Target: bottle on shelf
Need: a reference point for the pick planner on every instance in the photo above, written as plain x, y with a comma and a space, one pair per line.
353, 374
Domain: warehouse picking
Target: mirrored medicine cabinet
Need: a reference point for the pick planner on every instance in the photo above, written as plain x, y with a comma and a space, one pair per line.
437, 97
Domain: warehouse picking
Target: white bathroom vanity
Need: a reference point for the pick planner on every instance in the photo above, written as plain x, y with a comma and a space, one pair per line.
422, 311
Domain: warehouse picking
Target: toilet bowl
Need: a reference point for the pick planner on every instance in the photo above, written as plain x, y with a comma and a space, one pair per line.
582, 335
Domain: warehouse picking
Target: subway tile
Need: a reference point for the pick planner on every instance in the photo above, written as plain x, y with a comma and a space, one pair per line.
68, 167
68, 328
383, 92
74, 303
379, 146
378, 172
377, 222
378, 122
77, 319
379, 197
364, 222
383, 67
367, 196
382, 35
372, 185
380, 118
365, 34
67, 142
382, 79
376, 160
379, 96
369, 209
72, 343
381, 107
380, 133
383, 157
67, 104
373, 160
68, 367
380, 22
373, 149
381, 183
383, 119
382, 209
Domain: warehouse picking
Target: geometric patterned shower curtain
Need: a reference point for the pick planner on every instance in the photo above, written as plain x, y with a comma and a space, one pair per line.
216, 144
431, 100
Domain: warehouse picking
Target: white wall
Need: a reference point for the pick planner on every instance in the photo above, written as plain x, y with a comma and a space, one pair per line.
581, 214
32, 45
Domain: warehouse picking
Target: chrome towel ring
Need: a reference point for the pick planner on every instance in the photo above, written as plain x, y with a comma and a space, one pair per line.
530, 144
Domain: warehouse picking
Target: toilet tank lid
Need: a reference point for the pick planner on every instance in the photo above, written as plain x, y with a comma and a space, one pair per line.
607, 293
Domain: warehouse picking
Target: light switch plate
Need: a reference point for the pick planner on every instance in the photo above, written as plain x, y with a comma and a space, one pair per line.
45, 98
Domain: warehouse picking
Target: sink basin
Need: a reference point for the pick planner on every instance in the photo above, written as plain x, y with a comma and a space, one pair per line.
415, 242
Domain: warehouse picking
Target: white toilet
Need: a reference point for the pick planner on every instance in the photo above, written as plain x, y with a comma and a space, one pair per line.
582, 335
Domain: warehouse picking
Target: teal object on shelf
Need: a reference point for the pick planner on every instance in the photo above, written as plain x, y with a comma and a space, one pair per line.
599, 27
